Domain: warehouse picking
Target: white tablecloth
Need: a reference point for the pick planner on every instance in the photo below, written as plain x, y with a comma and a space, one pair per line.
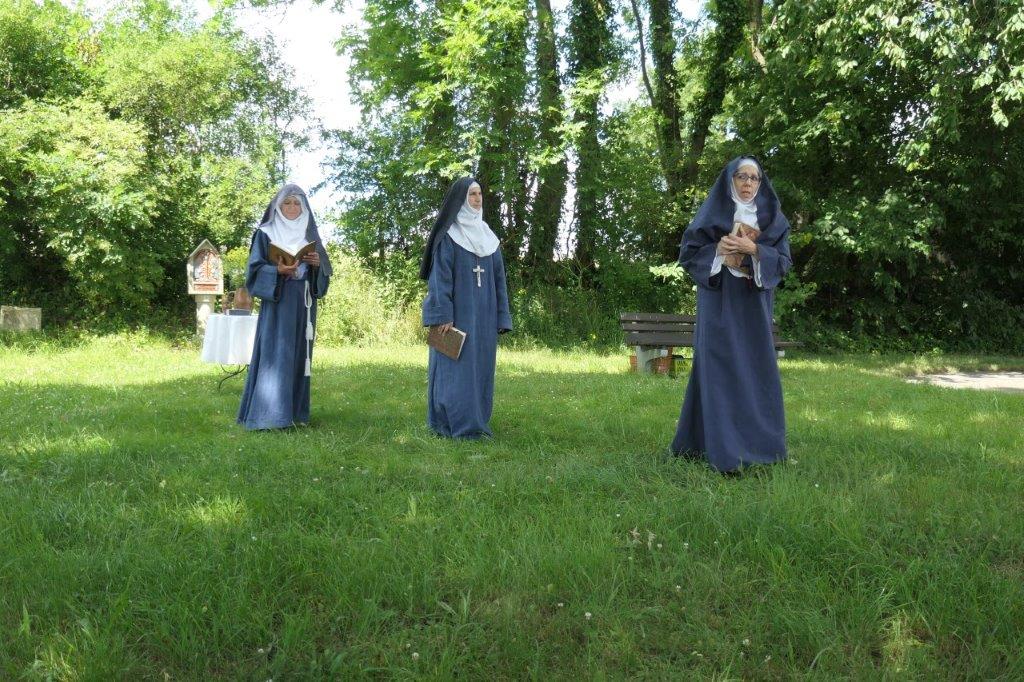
229, 339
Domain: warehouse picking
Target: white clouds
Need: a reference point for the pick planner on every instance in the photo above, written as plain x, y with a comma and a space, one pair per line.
305, 34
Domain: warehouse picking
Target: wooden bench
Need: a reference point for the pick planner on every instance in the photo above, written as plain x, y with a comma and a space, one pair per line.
657, 335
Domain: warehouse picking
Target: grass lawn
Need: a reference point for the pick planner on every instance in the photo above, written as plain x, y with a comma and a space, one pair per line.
144, 535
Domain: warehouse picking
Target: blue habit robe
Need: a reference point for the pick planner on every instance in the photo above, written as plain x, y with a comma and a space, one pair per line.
277, 389
460, 393
733, 412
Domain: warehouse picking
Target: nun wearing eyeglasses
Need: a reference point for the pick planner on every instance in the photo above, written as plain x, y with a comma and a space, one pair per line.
465, 276
277, 388
732, 414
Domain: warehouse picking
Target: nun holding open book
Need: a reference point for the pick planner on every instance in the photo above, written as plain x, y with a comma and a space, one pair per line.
466, 307
288, 271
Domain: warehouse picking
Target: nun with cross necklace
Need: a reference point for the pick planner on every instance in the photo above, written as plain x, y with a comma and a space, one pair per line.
465, 276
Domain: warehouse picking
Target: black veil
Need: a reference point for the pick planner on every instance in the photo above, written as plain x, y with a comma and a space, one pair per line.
453, 201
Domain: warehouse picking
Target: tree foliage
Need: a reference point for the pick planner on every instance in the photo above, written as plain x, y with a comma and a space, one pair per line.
891, 137
124, 141
892, 130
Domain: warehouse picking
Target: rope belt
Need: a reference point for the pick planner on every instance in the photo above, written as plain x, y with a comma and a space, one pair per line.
309, 326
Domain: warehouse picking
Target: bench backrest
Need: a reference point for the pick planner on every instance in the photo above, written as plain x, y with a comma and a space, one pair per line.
657, 329
663, 329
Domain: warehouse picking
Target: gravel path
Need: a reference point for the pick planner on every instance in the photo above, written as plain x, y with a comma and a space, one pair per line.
992, 381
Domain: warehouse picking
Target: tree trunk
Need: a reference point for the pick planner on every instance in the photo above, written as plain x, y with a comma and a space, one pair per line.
730, 16
590, 36
498, 168
551, 177
518, 212
756, 21
666, 95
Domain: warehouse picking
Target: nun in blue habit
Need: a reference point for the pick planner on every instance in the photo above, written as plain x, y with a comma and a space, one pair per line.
465, 276
732, 413
277, 387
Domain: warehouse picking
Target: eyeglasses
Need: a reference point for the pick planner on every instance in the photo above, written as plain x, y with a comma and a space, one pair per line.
743, 177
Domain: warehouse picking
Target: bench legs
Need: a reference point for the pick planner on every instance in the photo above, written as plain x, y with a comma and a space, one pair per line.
644, 356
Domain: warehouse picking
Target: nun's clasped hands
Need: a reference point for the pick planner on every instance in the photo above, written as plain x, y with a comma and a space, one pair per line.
731, 244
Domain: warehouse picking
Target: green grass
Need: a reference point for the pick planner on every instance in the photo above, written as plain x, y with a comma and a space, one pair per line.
143, 535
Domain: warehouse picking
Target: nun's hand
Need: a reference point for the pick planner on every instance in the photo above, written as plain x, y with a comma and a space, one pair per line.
739, 244
287, 270
724, 249
312, 259
446, 327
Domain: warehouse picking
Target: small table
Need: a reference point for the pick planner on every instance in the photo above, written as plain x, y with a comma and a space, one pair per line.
228, 341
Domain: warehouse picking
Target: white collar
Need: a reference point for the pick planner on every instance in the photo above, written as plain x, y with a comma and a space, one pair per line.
471, 232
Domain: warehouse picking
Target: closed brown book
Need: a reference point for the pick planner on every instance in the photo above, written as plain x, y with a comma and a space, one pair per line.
449, 343
282, 254
735, 261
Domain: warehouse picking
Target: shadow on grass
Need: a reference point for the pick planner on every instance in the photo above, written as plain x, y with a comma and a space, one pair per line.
383, 405
71, 338
147, 530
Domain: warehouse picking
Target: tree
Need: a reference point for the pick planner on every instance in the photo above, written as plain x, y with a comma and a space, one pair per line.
444, 92
40, 51
591, 56
78, 208
123, 144
552, 169
892, 148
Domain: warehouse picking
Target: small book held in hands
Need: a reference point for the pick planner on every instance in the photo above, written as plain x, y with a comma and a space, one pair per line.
288, 255
735, 261
748, 231
449, 343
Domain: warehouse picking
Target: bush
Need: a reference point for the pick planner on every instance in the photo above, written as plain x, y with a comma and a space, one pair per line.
363, 308
77, 212
236, 263
565, 313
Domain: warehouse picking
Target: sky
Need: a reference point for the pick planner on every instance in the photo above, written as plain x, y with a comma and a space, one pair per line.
305, 34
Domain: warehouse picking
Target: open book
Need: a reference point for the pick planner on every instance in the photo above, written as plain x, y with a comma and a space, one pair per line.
289, 254
449, 343
735, 261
